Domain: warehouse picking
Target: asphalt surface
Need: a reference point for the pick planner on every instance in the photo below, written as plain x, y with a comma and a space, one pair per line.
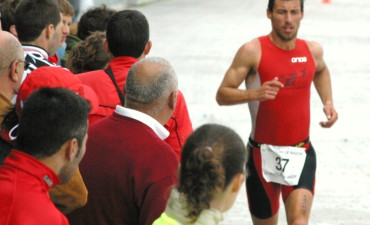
200, 39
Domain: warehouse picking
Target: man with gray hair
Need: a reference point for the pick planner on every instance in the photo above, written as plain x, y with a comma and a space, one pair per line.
12, 65
129, 169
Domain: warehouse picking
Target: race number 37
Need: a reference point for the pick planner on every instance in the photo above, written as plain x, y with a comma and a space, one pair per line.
282, 164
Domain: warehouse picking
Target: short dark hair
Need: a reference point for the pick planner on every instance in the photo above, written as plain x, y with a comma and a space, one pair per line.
95, 19
33, 16
211, 157
7, 9
271, 5
49, 118
127, 33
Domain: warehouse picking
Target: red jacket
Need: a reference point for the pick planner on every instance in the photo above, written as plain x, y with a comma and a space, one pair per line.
179, 125
24, 192
104, 88
128, 171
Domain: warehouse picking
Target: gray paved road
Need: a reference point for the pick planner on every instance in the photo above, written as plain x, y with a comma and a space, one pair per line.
200, 38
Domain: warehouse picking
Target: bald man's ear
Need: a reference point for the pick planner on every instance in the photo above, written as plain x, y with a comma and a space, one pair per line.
14, 71
172, 100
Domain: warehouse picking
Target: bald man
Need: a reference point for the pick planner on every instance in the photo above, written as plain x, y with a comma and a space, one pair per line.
11, 71
12, 65
129, 168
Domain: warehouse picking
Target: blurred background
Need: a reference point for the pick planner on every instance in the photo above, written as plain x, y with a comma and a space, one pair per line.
82, 5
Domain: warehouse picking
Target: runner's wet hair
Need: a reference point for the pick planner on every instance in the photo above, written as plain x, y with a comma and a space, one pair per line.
212, 156
271, 4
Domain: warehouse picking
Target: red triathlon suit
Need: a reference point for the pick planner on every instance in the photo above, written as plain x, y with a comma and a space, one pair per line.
283, 121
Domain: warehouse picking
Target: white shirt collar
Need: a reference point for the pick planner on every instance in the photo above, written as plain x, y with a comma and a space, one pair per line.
144, 118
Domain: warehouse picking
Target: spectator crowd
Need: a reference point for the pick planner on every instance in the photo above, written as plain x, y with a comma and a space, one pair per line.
93, 129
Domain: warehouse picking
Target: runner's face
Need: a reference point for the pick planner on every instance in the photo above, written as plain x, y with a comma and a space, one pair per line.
286, 18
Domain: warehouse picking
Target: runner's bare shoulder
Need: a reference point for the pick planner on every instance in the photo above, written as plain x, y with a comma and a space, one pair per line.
250, 52
315, 49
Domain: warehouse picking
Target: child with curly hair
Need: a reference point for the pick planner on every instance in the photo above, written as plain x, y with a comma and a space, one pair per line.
213, 168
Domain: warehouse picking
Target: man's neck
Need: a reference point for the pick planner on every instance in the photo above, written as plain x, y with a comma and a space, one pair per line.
37, 43
283, 44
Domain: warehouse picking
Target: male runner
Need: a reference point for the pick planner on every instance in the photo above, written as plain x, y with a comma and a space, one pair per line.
278, 70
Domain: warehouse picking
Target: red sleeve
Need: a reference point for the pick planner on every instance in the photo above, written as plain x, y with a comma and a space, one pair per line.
179, 126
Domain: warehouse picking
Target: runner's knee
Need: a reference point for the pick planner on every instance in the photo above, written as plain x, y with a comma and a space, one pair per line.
298, 221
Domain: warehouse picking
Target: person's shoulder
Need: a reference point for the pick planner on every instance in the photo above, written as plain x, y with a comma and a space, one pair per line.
90, 76
181, 102
161, 148
31, 205
179, 93
249, 53
315, 48
166, 156
73, 38
88, 73
253, 46
71, 41
313, 44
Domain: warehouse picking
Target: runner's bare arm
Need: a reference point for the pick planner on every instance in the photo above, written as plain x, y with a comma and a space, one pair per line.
322, 84
244, 68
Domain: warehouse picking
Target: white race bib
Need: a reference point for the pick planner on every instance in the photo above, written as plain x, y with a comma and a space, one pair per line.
282, 164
